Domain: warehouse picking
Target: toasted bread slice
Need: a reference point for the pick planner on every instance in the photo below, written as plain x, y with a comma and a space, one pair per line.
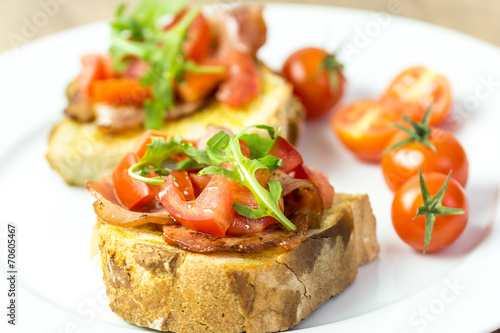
152, 284
80, 152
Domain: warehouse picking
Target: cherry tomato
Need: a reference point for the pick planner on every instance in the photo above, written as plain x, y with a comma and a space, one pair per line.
447, 228
421, 86
243, 83
363, 126
317, 79
196, 47
402, 163
132, 193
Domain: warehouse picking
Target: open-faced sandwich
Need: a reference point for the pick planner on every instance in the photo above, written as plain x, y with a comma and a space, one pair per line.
233, 233
173, 68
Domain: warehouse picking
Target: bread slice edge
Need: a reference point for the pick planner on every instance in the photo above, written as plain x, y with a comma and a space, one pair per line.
152, 284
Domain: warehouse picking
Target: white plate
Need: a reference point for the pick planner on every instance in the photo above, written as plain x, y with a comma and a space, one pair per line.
455, 290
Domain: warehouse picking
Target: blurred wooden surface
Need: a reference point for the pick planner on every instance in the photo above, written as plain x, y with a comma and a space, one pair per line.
26, 20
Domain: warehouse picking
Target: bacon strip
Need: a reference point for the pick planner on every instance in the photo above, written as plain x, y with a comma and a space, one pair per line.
303, 206
300, 196
109, 209
242, 28
197, 242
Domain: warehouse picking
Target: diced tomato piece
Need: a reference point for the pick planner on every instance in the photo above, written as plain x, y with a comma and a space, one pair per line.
321, 180
212, 212
244, 148
243, 225
196, 47
197, 86
289, 155
132, 193
199, 182
243, 82
94, 67
183, 183
119, 92
145, 139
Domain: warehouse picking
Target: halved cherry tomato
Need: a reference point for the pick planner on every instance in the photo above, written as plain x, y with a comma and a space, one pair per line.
402, 163
119, 92
288, 154
196, 47
363, 127
243, 83
212, 212
184, 186
94, 68
447, 228
319, 85
132, 193
421, 86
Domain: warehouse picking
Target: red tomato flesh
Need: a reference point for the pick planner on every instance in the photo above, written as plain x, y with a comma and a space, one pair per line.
363, 127
132, 193
421, 86
243, 83
211, 213
119, 92
288, 154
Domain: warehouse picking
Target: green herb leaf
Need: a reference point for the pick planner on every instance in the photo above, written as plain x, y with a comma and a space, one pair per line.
223, 149
158, 157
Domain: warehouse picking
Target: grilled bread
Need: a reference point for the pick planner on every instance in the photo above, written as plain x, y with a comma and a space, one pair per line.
80, 152
152, 284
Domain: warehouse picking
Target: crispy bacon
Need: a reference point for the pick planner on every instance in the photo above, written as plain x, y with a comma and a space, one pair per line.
242, 28
109, 209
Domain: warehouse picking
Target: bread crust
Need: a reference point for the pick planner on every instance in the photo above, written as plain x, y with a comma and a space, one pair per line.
152, 284
80, 152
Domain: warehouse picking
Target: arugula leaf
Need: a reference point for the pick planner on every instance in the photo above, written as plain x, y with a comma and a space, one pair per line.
223, 149
159, 156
